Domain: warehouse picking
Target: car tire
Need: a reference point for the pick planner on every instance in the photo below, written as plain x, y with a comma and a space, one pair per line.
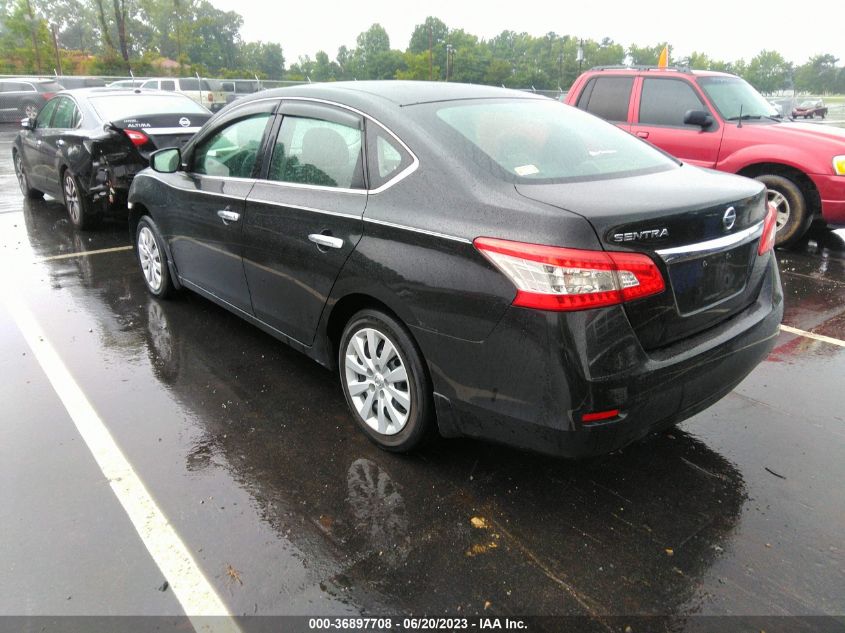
385, 382
81, 210
152, 258
794, 217
23, 179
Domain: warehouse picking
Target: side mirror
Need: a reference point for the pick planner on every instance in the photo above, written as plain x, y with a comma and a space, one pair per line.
27, 123
166, 161
699, 118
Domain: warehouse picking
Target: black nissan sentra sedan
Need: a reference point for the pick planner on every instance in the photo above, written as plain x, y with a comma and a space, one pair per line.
85, 146
472, 261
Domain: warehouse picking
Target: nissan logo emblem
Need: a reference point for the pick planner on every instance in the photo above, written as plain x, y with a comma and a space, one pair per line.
729, 219
184, 121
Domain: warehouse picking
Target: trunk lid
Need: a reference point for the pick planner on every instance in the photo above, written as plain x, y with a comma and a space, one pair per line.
162, 130
702, 229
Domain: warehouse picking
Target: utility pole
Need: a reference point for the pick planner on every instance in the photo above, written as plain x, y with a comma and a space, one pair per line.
449, 51
54, 30
430, 62
32, 30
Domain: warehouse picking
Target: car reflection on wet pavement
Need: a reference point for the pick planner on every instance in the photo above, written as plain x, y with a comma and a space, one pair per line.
248, 449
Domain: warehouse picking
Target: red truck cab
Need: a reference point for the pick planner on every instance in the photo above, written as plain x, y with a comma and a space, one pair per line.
718, 121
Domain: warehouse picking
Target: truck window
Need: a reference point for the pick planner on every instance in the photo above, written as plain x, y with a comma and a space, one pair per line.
607, 97
665, 101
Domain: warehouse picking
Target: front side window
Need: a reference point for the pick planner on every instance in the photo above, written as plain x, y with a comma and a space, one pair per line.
43, 120
168, 85
665, 101
607, 97
232, 151
152, 84
65, 114
541, 141
317, 152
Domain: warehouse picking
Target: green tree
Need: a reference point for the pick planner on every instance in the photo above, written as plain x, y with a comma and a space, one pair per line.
768, 72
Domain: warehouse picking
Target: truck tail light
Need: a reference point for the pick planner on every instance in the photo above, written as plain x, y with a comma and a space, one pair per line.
138, 138
566, 279
770, 229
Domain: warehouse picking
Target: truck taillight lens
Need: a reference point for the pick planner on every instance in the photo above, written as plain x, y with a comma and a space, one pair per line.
566, 279
138, 138
770, 229
210, 97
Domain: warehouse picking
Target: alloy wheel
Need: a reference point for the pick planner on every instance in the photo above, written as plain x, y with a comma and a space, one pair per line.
22, 183
781, 205
150, 257
72, 203
376, 380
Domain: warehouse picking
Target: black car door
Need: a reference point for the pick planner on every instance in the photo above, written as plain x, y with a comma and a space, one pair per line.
34, 152
303, 217
54, 139
203, 224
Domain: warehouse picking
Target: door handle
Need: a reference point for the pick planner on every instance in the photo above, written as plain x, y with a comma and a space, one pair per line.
326, 240
642, 134
228, 216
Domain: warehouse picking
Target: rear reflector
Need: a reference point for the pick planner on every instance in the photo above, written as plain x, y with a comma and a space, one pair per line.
770, 229
138, 138
566, 279
599, 415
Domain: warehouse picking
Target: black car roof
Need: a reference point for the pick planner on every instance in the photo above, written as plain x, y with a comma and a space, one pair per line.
390, 92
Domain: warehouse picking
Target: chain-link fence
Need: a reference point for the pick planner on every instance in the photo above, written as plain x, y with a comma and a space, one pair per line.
24, 96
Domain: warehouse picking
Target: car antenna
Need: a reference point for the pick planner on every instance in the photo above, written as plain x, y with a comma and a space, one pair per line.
739, 123
131, 74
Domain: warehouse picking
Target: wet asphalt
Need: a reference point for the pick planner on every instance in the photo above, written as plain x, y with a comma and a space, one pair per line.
248, 449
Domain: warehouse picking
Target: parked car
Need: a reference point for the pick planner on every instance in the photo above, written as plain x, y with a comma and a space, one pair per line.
473, 260
126, 83
23, 97
237, 88
719, 121
85, 146
206, 92
73, 82
810, 110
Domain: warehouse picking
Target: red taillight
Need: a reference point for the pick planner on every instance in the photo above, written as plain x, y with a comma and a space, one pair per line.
48, 95
210, 97
770, 229
598, 416
137, 137
565, 279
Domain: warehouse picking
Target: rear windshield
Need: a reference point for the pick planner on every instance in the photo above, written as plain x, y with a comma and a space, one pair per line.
117, 107
49, 86
537, 141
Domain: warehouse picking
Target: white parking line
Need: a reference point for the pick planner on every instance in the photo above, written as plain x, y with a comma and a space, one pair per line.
116, 249
817, 337
190, 586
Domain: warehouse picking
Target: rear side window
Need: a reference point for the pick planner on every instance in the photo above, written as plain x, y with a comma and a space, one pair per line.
607, 97
168, 84
317, 152
386, 156
231, 152
16, 86
50, 86
665, 101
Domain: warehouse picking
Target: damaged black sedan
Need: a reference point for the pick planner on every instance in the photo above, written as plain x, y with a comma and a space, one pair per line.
85, 146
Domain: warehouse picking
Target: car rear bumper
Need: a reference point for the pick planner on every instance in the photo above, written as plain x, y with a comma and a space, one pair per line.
832, 192
530, 382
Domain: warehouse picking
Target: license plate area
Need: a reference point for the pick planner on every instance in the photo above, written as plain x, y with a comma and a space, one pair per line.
702, 282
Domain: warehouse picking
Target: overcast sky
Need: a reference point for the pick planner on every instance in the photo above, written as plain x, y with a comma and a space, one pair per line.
723, 29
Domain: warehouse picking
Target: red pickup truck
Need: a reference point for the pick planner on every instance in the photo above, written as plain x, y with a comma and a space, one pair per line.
717, 120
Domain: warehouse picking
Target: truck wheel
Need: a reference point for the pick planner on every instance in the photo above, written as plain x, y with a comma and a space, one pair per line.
793, 217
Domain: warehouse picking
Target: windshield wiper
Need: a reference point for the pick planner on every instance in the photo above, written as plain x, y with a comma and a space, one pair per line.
745, 117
